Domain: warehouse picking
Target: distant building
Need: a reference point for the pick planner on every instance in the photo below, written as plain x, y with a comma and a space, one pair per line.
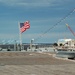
66, 42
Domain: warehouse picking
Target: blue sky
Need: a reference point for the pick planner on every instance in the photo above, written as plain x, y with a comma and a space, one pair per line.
42, 14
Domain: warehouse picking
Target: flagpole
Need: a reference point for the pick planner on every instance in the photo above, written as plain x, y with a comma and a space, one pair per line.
20, 36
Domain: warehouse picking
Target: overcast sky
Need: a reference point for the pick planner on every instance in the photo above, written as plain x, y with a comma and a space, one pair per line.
42, 14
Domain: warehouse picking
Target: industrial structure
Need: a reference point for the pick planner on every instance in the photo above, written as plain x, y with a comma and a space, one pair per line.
66, 42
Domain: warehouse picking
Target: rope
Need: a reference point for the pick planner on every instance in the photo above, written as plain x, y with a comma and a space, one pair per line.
70, 13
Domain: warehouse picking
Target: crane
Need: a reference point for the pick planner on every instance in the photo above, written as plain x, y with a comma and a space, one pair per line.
70, 29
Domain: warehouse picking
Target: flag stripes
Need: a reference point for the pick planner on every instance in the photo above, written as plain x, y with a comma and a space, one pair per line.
24, 26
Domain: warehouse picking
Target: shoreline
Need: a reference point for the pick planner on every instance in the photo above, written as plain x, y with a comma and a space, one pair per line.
31, 58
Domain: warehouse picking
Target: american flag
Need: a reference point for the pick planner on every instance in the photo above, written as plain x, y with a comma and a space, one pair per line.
24, 26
